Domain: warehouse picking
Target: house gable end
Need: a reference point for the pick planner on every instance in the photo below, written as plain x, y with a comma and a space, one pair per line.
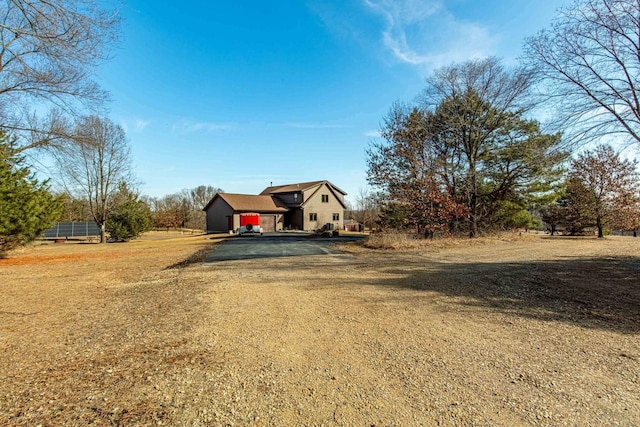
213, 200
331, 189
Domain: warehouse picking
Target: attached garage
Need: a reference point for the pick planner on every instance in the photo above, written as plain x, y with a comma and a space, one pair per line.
224, 212
268, 223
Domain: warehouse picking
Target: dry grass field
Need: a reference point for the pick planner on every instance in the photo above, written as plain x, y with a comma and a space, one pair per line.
528, 330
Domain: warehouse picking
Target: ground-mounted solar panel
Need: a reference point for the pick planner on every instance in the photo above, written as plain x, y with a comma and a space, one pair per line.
72, 229
65, 229
51, 233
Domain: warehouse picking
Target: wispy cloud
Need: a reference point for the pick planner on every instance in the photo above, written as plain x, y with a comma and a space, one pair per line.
140, 125
187, 126
299, 125
426, 34
134, 125
372, 134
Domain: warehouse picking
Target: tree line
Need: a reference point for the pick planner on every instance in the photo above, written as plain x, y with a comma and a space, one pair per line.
182, 210
468, 157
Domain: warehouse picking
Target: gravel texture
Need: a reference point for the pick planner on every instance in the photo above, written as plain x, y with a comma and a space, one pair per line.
530, 331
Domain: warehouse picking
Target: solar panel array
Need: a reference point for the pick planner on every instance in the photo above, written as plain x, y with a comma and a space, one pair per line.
72, 229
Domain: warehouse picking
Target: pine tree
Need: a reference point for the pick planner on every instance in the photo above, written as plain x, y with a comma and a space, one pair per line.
27, 208
129, 217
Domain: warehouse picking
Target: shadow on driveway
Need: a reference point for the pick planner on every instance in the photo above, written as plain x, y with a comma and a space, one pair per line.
276, 245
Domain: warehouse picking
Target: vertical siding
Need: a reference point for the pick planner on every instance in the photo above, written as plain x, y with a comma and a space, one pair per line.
217, 216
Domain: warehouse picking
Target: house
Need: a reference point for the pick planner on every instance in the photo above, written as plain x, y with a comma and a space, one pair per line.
302, 206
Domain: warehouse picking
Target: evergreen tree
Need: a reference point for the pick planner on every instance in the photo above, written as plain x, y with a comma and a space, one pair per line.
394, 215
521, 172
475, 102
27, 208
129, 216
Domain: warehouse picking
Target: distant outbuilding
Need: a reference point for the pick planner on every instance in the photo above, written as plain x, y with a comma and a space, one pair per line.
352, 225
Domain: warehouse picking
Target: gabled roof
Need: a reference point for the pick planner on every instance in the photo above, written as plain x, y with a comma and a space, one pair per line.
302, 186
249, 203
333, 191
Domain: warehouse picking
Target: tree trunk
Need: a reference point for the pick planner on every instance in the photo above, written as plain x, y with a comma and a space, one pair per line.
599, 225
473, 200
103, 233
473, 218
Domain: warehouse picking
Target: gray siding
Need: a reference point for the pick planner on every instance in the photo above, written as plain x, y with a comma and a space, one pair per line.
217, 216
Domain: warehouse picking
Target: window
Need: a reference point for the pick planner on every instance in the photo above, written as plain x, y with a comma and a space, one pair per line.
313, 217
325, 198
336, 217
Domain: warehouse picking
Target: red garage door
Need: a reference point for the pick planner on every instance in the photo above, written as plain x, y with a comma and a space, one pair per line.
267, 223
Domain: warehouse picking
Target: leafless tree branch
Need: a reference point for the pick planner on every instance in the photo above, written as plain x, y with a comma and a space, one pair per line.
48, 54
588, 63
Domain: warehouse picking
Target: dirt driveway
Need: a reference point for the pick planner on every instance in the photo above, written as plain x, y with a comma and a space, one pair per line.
499, 333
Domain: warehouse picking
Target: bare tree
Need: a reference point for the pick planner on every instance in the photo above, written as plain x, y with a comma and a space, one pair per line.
590, 68
48, 54
627, 216
366, 208
197, 199
608, 185
201, 195
167, 212
94, 165
405, 168
184, 209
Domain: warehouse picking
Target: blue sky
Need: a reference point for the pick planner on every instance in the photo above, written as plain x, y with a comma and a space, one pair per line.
241, 94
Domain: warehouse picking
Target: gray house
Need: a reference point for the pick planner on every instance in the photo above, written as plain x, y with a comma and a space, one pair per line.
302, 206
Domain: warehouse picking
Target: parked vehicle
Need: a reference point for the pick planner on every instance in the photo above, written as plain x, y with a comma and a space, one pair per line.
249, 223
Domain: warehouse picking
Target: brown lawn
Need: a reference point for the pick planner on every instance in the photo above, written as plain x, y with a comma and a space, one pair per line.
523, 331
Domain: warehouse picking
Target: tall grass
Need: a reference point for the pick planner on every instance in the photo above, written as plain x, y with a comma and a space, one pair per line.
394, 240
405, 241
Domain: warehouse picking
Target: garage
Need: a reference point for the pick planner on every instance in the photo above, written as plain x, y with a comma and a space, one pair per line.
268, 223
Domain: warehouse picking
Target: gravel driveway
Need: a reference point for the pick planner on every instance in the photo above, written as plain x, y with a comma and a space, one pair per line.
536, 331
